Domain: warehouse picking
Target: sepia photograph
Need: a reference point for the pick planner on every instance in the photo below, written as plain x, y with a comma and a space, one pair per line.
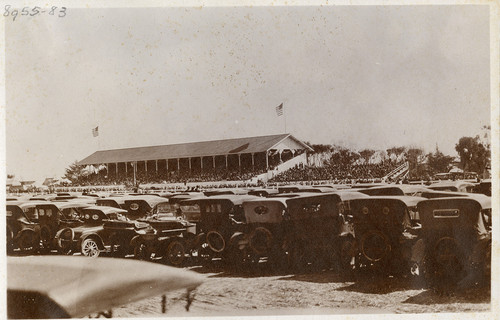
260, 159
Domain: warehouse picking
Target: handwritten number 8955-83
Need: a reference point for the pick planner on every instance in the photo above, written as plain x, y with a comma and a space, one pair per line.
31, 12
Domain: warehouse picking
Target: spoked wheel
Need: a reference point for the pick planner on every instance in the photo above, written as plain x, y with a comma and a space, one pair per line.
28, 242
45, 239
90, 248
176, 253
65, 241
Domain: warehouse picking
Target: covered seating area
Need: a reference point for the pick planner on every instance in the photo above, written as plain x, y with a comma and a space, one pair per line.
240, 158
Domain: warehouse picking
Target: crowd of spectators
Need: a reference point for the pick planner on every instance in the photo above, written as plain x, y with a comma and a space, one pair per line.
154, 177
336, 171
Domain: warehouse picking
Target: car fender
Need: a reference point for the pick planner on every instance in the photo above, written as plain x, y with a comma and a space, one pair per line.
23, 231
135, 240
95, 236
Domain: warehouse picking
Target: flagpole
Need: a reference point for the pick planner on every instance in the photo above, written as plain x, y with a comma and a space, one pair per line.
285, 120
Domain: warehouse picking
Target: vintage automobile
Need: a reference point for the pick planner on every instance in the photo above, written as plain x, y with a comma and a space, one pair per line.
55, 216
385, 233
167, 237
293, 232
23, 229
315, 231
221, 227
103, 229
456, 241
52, 287
267, 226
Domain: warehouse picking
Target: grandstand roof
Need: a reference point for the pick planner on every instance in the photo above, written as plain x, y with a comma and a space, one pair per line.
195, 149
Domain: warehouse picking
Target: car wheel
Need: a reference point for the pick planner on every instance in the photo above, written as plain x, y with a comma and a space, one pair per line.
375, 246
65, 241
216, 241
261, 240
175, 254
28, 242
90, 248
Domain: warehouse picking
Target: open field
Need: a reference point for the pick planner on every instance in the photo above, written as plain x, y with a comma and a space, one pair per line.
262, 292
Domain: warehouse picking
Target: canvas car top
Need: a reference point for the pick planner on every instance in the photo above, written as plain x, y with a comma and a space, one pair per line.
80, 286
465, 211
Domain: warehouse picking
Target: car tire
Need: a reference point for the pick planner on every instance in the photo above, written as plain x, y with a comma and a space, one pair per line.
216, 241
28, 242
375, 246
175, 253
90, 248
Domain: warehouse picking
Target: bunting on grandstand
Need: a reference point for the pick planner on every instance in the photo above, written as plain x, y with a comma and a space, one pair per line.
279, 110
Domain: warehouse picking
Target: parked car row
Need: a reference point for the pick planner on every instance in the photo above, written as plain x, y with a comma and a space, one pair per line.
393, 230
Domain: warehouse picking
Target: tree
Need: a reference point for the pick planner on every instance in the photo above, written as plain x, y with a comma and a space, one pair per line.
366, 154
438, 162
416, 157
474, 155
74, 172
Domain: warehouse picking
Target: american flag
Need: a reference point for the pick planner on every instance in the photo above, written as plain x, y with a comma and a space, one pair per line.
279, 110
95, 131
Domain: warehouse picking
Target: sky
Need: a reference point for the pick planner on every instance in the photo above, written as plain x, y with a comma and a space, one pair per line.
360, 76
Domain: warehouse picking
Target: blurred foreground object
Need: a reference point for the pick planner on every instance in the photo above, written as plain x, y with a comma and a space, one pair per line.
69, 287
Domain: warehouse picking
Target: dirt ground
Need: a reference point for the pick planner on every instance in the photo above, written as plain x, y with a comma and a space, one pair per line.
313, 292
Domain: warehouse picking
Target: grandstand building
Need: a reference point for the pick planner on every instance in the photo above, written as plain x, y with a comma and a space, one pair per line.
254, 155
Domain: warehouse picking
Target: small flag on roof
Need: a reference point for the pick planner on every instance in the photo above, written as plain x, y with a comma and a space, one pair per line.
279, 110
95, 131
